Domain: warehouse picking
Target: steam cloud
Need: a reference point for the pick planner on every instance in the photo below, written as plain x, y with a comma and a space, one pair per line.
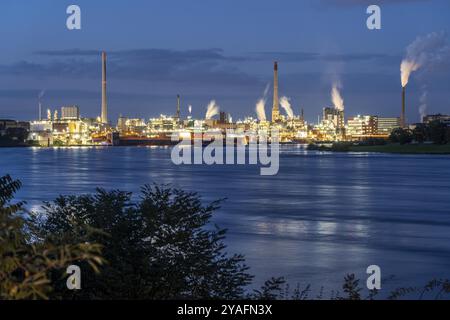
190, 109
426, 51
406, 68
336, 98
41, 94
286, 105
423, 103
261, 105
212, 110
260, 109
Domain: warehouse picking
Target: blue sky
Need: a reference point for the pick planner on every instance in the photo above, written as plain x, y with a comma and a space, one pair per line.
216, 49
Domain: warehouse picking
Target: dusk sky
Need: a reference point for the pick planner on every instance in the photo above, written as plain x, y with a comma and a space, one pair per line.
217, 49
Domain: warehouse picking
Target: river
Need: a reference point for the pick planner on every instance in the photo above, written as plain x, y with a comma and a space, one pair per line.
322, 216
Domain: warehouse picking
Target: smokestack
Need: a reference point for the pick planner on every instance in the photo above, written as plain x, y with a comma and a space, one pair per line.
104, 117
275, 109
40, 111
402, 116
178, 106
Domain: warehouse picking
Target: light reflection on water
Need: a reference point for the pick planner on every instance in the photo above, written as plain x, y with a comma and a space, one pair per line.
322, 216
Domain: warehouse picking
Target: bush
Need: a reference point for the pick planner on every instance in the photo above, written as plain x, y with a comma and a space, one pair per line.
341, 146
159, 247
26, 262
372, 142
402, 136
438, 132
313, 146
420, 133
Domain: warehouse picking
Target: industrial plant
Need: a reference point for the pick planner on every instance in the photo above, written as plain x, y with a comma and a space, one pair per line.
66, 126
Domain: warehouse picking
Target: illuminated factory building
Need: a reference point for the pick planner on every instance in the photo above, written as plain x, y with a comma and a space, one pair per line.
66, 126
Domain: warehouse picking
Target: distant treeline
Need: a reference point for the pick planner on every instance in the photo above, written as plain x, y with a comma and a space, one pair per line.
433, 137
435, 132
12, 137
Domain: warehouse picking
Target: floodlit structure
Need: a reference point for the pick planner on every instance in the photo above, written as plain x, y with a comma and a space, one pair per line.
104, 115
276, 102
386, 125
362, 127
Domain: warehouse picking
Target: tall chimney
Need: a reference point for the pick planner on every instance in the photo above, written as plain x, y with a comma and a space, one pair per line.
178, 106
275, 109
104, 99
402, 116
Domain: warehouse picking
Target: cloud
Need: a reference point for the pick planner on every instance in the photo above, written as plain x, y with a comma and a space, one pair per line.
71, 67
69, 52
210, 66
155, 55
312, 56
195, 66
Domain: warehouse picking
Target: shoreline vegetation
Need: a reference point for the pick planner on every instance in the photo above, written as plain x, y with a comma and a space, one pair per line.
419, 148
432, 138
396, 148
158, 247
393, 148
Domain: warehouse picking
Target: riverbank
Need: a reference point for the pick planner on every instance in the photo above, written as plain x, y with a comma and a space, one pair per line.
385, 148
404, 149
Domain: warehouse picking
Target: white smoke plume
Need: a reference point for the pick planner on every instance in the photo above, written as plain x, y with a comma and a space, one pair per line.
190, 109
286, 105
406, 68
425, 51
266, 90
212, 110
336, 97
423, 103
40, 96
261, 109
261, 105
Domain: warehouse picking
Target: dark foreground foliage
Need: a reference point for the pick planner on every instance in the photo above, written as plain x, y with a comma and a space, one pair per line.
157, 247
352, 289
25, 263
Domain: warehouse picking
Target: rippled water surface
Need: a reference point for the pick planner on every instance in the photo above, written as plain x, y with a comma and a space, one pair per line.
322, 216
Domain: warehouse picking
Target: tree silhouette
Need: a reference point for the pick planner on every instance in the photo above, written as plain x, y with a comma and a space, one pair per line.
25, 262
161, 246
